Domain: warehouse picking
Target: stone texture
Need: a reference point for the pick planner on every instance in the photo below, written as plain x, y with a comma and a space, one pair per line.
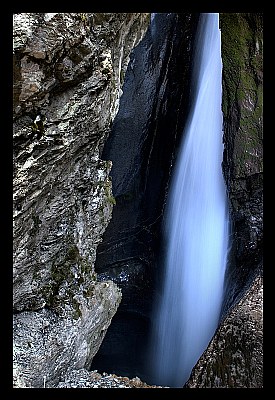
242, 53
68, 74
234, 357
46, 344
81, 378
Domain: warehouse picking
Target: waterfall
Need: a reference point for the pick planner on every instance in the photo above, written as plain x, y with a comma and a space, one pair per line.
195, 225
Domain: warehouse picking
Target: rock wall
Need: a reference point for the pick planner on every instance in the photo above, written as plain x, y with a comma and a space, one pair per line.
234, 357
242, 54
68, 75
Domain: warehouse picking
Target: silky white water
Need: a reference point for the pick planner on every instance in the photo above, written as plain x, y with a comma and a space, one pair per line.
196, 225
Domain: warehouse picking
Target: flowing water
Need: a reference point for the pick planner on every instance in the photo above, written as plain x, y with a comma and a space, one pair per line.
196, 225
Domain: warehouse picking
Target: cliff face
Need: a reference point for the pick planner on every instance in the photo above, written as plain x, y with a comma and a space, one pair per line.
68, 74
234, 357
242, 54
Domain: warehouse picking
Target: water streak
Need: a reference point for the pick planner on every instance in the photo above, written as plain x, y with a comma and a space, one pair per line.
196, 225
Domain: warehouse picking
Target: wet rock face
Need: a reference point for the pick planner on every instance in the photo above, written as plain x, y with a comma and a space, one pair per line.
242, 53
68, 74
46, 345
62, 193
142, 145
234, 357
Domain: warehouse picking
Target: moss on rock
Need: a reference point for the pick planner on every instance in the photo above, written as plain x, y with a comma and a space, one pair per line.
242, 46
65, 281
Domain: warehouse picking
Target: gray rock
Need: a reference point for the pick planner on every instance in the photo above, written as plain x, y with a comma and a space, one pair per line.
67, 83
82, 378
242, 54
45, 344
234, 357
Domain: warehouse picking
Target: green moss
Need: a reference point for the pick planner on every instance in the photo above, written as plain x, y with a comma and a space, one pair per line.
63, 276
108, 192
106, 185
232, 56
73, 253
100, 184
83, 17
38, 126
89, 291
111, 200
77, 312
242, 87
238, 55
258, 112
60, 272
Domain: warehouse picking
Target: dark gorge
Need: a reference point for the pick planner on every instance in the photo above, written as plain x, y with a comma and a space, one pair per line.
142, 145
91, 190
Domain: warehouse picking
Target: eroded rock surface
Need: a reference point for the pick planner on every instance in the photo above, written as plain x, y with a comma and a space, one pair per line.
68, 74
242, 54
92, 379
45, 344
234, 357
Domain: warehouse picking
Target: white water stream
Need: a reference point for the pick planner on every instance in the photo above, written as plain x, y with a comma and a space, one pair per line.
196, 225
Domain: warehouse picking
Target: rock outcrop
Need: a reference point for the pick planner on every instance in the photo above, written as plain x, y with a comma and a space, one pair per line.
82, 378
234, 357
242, 54
68, 75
